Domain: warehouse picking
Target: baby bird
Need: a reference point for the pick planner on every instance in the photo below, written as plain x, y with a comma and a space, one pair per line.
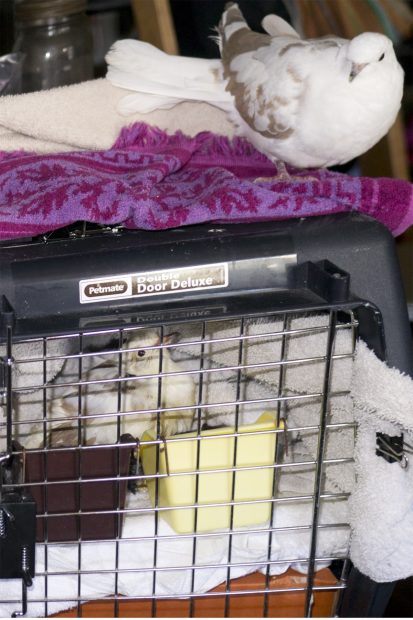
111, 405
148, 357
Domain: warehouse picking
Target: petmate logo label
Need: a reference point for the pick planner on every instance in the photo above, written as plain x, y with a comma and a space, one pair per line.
105, 288
181, 280
148, 283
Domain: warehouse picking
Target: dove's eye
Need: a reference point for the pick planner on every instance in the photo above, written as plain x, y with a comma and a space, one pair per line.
381, 57
141, 353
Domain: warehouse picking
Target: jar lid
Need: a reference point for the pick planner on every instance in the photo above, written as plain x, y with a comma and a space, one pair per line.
35, 10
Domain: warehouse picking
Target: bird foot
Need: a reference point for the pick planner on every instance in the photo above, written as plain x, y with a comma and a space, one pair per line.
284, 175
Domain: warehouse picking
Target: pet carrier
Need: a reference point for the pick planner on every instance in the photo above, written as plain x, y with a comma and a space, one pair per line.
178, 435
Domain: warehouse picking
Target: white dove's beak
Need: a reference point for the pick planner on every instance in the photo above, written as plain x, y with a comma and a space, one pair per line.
355, 70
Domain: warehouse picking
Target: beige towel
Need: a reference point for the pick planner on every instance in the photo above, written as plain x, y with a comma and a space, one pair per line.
84, 116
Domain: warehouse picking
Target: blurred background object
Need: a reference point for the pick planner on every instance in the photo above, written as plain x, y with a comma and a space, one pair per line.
155, 23
6, 26
110, 20
347, 18
56, 39
11, 73
195, 21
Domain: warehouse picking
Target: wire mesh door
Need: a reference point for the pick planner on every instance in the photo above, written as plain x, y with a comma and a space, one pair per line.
201, 467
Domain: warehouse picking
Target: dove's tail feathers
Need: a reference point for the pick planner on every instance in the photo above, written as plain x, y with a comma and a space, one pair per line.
146, 60
232, 20
277, 27
216, 36
235, 36
233, 17
141, 67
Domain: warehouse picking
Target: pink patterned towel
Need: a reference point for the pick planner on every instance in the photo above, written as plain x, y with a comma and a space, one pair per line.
154, 181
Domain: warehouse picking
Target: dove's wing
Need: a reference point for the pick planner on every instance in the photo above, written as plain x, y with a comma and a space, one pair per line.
267, 85
275, 26
268, 76
266, 89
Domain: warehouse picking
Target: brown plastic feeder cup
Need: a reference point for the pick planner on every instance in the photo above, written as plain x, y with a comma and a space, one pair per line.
69, 483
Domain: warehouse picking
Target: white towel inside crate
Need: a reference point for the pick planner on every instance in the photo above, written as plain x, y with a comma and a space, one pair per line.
136, 557
262, 344
29, 373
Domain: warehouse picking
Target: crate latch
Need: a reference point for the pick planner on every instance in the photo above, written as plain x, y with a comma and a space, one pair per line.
17, 527
324, 279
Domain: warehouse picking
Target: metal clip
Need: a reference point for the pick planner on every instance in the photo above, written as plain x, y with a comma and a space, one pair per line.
407, 449
393, 449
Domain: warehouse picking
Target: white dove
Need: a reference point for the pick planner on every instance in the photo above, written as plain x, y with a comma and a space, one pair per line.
306, 102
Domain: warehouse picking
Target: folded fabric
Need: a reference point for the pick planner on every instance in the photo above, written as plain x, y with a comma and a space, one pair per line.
153, 181
84, 116
381, 505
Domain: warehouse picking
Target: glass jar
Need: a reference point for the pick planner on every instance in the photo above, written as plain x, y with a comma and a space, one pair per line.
56, 38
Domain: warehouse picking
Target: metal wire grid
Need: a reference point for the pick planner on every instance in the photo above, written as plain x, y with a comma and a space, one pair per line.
279, 401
